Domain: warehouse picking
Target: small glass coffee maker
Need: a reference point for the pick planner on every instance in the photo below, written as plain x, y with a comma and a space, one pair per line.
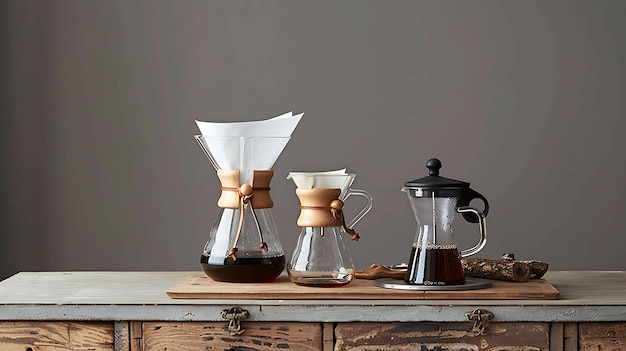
435, 257
321, 257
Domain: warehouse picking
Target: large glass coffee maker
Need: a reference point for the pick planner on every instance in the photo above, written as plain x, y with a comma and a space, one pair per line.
243, 243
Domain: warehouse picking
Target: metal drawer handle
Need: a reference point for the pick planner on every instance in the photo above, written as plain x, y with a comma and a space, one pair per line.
481, 319
234, 315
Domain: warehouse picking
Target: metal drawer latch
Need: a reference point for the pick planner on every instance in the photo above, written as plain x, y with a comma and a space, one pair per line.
481, 319
234, 315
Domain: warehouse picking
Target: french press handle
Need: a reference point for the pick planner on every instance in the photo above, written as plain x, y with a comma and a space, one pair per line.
483, 230
464, 200
473, 215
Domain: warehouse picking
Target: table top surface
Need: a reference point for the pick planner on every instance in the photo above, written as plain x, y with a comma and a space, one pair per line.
121, 296
149, 288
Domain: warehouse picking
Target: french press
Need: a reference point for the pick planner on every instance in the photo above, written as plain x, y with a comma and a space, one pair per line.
435, 257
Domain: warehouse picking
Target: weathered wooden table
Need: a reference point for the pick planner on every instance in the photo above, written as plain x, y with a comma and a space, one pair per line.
130, 311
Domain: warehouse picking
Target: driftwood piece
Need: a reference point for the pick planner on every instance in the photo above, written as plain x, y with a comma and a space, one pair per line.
508, 269
537, 268
504, 269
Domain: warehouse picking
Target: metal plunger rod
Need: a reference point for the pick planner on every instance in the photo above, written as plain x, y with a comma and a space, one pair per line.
434, 220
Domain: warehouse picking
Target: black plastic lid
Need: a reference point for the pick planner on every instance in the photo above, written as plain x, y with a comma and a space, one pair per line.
433, 180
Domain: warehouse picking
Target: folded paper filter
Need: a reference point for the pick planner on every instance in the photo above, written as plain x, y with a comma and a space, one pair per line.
246, 146
338, 179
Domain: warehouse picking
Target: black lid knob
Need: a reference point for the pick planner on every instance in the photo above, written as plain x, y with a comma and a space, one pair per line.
433, 166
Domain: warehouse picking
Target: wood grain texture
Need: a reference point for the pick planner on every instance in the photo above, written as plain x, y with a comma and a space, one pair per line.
122, 336
199, 286
570, 337
328, 335
602, 336
135, 334
441, 336
56, 336
557, 338
188, 336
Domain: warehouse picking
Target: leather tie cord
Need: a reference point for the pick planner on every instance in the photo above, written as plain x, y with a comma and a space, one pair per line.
245, 195
338, 214
336, 210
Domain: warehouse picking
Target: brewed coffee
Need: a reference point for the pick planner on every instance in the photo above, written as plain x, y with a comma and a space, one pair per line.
435, 265
245, 269
322, 279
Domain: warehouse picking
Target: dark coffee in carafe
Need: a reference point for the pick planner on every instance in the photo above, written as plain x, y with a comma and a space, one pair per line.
435, 265
245, 269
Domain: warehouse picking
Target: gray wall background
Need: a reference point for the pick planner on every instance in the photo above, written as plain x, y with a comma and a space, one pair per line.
524, 99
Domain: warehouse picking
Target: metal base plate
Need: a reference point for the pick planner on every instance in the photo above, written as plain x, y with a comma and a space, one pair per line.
470, 284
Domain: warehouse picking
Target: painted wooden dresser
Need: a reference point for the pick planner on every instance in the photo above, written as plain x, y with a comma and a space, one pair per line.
131, 311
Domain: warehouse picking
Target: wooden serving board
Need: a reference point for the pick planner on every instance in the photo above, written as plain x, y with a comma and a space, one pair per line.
199, 286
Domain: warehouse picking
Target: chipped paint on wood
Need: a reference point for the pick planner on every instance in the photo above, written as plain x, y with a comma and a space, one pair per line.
264, 336
439, 336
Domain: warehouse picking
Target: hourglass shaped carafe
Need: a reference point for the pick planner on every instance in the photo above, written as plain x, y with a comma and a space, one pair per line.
435, 200
243, 244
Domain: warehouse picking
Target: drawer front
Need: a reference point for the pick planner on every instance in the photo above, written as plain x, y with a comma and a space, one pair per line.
441, 336
602, 336
57, 336
183, 336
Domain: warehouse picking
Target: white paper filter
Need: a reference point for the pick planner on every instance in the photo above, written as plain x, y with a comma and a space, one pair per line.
247, 146
338, 179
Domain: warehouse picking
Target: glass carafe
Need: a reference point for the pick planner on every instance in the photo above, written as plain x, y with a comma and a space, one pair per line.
321, 257
435, 256
243, 243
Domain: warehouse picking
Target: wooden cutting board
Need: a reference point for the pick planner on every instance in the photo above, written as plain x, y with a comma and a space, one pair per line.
199, 286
